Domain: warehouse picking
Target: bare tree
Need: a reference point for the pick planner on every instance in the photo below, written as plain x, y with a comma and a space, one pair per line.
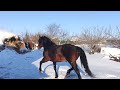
93, 36
55, 32
26, 36
114, 36
35, 37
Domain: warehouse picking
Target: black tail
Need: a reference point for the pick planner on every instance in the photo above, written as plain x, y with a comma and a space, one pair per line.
84, 61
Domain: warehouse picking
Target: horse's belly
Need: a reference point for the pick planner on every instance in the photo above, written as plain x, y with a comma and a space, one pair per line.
59, 58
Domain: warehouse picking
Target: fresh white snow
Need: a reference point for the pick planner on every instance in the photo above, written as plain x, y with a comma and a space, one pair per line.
25, 66
110, 50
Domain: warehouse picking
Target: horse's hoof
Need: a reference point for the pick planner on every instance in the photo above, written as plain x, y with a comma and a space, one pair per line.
93, 76
67, 75
41, 71
56, 77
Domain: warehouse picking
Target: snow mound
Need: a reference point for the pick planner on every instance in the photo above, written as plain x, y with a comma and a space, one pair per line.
18, 66
108, 50
5, 34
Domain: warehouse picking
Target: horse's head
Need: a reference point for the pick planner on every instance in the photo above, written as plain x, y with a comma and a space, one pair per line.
41, 41
44, 42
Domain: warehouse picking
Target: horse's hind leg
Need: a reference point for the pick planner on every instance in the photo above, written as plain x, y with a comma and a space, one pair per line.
74, 66
68, 72
56, 74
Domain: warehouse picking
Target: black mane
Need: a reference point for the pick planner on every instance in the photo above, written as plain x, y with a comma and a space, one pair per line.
47, 42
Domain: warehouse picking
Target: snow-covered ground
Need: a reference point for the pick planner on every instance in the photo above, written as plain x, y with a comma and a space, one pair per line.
110, 51
25, 66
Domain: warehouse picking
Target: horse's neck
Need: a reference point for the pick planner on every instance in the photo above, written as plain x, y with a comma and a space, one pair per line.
48, 46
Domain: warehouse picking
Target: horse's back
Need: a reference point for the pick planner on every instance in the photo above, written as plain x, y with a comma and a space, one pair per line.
69, 47
59, 53
70, 52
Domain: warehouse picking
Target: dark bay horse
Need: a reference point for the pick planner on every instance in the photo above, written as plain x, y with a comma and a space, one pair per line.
65, 52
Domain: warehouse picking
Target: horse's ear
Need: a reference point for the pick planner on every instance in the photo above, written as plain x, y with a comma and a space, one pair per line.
44, 36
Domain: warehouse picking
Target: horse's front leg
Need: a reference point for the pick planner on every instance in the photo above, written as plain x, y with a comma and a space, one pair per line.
56, 74
42, 61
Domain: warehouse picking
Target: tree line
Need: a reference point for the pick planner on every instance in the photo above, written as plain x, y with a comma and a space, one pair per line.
90, 36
